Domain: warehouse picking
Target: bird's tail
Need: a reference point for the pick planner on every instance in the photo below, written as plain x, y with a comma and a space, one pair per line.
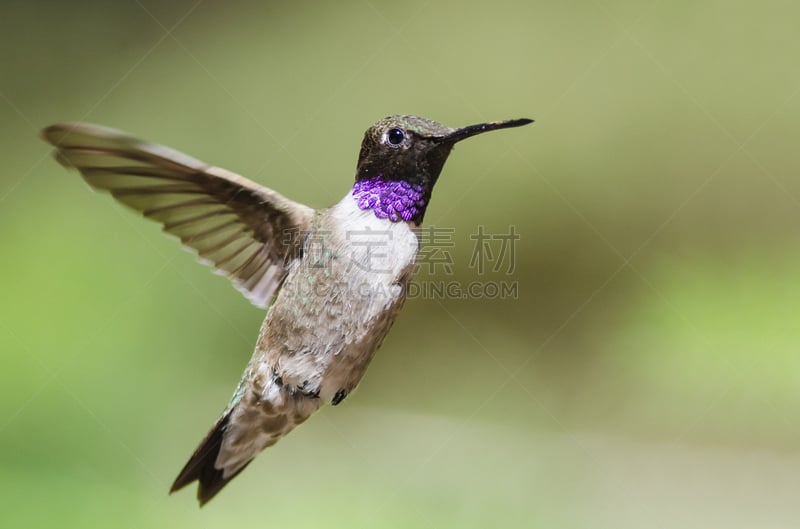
251, 423
202, 465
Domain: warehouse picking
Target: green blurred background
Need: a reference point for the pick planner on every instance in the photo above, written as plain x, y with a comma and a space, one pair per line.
647, 376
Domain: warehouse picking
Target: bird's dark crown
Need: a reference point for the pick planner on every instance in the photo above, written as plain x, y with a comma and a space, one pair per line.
407, 148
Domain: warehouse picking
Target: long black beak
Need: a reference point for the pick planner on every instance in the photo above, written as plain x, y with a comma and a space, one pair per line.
472, 130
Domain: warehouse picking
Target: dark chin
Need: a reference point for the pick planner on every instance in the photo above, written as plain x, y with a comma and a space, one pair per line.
435, 164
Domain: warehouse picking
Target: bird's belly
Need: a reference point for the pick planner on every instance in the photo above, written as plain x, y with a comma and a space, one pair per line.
338, 304
347, 364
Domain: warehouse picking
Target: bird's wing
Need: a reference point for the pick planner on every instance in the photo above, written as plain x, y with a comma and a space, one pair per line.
244, 231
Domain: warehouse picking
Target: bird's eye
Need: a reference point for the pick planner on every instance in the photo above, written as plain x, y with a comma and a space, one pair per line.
396, 136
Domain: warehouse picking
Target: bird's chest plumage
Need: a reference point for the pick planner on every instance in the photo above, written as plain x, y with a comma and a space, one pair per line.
339, 301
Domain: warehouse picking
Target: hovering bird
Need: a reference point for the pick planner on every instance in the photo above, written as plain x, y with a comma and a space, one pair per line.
336, 277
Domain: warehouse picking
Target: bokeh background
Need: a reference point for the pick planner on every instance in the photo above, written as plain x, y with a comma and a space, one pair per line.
646, 376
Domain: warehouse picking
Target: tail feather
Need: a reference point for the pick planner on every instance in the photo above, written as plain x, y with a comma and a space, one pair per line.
201, 466
250, 424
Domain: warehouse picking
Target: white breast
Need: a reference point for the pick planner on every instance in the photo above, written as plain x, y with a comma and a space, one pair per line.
378, 247
371, 263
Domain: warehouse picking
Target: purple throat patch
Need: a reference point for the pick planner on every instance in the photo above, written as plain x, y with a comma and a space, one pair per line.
395, 200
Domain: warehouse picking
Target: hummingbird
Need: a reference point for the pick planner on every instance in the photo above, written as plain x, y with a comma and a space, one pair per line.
333, 279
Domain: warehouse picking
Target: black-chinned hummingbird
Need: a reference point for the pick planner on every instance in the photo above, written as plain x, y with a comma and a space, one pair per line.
336, 277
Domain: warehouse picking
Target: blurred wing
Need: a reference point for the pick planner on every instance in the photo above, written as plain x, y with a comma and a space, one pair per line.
243, 230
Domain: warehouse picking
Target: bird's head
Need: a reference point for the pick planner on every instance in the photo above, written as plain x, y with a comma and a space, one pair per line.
400, 161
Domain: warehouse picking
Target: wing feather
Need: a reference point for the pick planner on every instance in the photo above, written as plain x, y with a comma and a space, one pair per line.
243, 230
